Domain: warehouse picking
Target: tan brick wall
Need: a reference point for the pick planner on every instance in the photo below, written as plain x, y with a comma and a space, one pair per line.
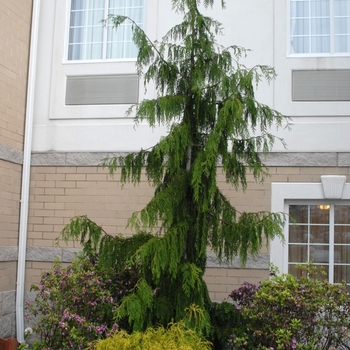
221, 282
15, 19
10, 185
59, 193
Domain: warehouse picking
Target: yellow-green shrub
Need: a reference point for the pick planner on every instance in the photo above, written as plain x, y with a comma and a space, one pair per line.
175, 337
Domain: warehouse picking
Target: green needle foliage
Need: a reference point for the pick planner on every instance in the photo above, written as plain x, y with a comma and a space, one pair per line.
205, 97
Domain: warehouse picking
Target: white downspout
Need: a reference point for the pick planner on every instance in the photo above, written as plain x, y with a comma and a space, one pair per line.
22, 243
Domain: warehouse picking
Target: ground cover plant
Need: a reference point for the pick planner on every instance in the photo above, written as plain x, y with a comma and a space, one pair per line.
186, 334
286, 312
175, 336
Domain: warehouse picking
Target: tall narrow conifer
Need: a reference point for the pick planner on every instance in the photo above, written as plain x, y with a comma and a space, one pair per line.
205, 97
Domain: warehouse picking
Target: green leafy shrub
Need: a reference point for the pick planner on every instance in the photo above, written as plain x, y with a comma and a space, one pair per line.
224, 317
287, 312
75, 305
176, 336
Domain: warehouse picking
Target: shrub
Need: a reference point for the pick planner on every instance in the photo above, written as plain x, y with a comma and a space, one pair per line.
176, 336
287, 312
223, 318
75, 305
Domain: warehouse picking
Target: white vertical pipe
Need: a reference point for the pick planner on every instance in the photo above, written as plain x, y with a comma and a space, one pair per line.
22, 244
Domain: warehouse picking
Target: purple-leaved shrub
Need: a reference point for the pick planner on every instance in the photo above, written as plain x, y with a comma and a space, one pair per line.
74, 306
286, 312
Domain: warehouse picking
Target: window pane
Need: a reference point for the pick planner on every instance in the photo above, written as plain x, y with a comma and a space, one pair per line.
298, 253
130, 50
341, 273
319, 214
299, 213
342, 234
299, 8
342, 25
115, 35
135, 14
96, 4
319, 8
76, 35
342, 254
80, 35
342, 43
298, 234
320, 26
342, 214
116, 3
93, 51
74, 52
319, 234
87, 4
85, 51
319, 253
300, 45
117, 11
136, 3
115, 50
86, 18
342, 7
294, 271
300, 27
320, 44
77, 18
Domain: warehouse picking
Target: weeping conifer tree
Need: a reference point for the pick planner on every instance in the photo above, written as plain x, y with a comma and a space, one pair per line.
206, 99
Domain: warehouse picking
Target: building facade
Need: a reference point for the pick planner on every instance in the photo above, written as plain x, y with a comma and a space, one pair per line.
83, 82
15, 24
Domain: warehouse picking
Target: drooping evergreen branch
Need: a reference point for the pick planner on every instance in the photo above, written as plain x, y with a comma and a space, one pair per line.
110, 251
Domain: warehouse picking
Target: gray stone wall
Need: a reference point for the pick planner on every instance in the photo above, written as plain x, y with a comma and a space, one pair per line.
281, 159
7, 314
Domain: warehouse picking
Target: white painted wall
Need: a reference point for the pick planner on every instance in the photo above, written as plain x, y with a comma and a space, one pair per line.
257, 25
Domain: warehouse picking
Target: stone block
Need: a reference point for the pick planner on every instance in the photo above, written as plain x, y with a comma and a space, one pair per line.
69, 254
8, 303
260, 262
48, 159
7, 326
313, 159
344, 159
11, 154
8, 253
43, 254
85, 158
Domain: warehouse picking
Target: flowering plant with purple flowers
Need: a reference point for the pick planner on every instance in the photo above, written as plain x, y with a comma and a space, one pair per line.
74, 306
288, 312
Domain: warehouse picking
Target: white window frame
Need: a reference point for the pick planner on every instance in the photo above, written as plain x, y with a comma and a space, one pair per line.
322, 54
103, 59
331, 244
59, 68
284, 194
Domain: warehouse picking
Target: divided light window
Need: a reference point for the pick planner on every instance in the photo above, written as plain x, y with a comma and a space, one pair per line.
321, 234
89, 39
319, 26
